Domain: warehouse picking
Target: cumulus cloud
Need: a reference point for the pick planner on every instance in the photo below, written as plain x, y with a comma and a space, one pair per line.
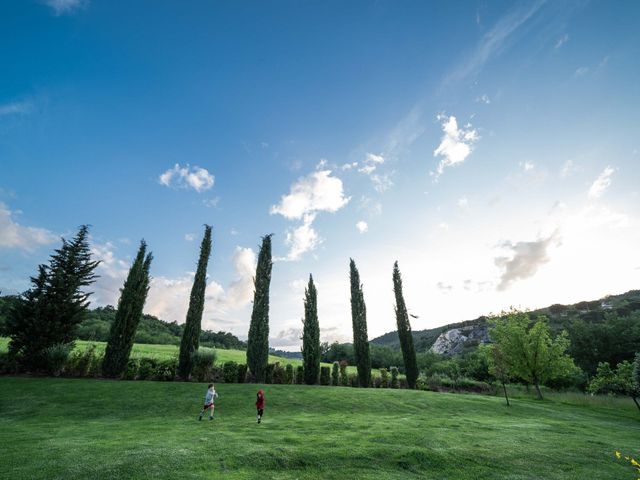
362, 226
112, 272
600, 184
197, 178
308, 196
524, 259
14, 235
61, 7
456, 143
289, 337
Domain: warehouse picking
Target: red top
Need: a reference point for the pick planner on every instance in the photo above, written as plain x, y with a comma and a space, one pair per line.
260, 399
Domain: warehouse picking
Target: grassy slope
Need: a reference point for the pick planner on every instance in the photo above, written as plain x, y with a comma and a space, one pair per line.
66, 428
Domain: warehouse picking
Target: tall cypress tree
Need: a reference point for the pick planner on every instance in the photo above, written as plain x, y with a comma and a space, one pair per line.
191, 334
130, 305
51, 310
258, 341
359, 320
311, 335
404, 330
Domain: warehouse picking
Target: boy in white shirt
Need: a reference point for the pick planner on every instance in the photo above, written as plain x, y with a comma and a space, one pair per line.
209, 400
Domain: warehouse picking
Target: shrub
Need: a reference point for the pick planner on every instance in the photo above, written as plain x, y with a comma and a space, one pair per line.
377, 382
7, 364
242, 372
335, 374
202, 363
147, 369
230, 372
166, 370
325, 376
131, 370
278, 375
299, 374
394, 377
384, 378
344, 378
288, 374
353, 380
80, 363
268, 373
56, 357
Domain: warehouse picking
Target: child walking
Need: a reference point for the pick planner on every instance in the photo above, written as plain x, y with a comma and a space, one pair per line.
209, 400
260, 404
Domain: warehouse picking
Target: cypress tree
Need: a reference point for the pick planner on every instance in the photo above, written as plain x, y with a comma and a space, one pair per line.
51, 310
258, 341
130, 305
311, 335
359, 321
404, 330
191, 334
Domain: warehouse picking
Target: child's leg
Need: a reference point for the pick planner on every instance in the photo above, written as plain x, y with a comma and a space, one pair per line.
211, 408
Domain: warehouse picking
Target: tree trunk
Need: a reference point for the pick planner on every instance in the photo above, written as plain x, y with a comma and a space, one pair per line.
539, 392
506, 397
635, 399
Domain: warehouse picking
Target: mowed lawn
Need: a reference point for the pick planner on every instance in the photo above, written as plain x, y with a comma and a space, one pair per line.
82, 428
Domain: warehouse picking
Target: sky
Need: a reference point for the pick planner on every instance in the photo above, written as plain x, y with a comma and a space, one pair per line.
491, 148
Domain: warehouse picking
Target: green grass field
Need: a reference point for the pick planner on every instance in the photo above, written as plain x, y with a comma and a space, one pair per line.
81, 428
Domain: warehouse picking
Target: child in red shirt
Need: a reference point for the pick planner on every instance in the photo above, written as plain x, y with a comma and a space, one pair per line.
260, 404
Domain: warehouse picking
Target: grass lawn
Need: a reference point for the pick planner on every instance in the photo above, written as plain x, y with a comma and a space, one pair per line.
81, 428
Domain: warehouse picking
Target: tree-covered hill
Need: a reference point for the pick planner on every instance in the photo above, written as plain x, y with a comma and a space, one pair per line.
151, 330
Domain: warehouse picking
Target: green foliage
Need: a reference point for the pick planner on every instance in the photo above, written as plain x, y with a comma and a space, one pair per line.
359, 321
618, 381
325, 375
268, 372
7, 304
404, 330
242, 372
81, 362
335, 374
311, 335
56, 357
130, 305
394, 377
191, 335
528, 351
344, 378
230, 372
288, 374
50, 312
258, 341
202, 364
131, 372
299, 375
166, 370
384, 378
147, 368
278, 374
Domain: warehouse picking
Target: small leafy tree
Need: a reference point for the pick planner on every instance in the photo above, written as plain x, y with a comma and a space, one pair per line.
191, 335
288, 374
335, 374
528, 349
325, 376
344, 378
384, 378
622, 380
394, 377
299, 375
498, 366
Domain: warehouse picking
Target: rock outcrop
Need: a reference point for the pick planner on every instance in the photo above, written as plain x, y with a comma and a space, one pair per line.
456, 340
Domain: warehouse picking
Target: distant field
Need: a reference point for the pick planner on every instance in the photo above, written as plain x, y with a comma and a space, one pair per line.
87, 429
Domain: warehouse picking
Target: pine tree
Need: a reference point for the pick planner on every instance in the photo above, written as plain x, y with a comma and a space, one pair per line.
191, 334
130, 305
359, 320
258, 341
51, 310
404, 330
311, 335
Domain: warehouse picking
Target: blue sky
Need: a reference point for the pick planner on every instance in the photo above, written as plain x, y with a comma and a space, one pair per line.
492, 148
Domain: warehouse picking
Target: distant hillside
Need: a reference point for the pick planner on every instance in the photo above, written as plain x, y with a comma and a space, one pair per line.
151, 330
560, 317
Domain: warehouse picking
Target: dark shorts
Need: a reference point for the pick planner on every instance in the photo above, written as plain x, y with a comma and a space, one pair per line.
260, 411
208, 405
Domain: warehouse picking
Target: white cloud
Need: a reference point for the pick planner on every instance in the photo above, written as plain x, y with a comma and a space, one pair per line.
382, 182
211, 202
601, 183
484, 98
317, 192
16, 108
371, 206
349, 166
373, 158
197, 178
14, 235
60, 7
527, 166
189, 237
524, 260
367, 169
112, 272
567, 169
562, 40
302, 239
581, 71
362, 226
456, 144
463, 202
